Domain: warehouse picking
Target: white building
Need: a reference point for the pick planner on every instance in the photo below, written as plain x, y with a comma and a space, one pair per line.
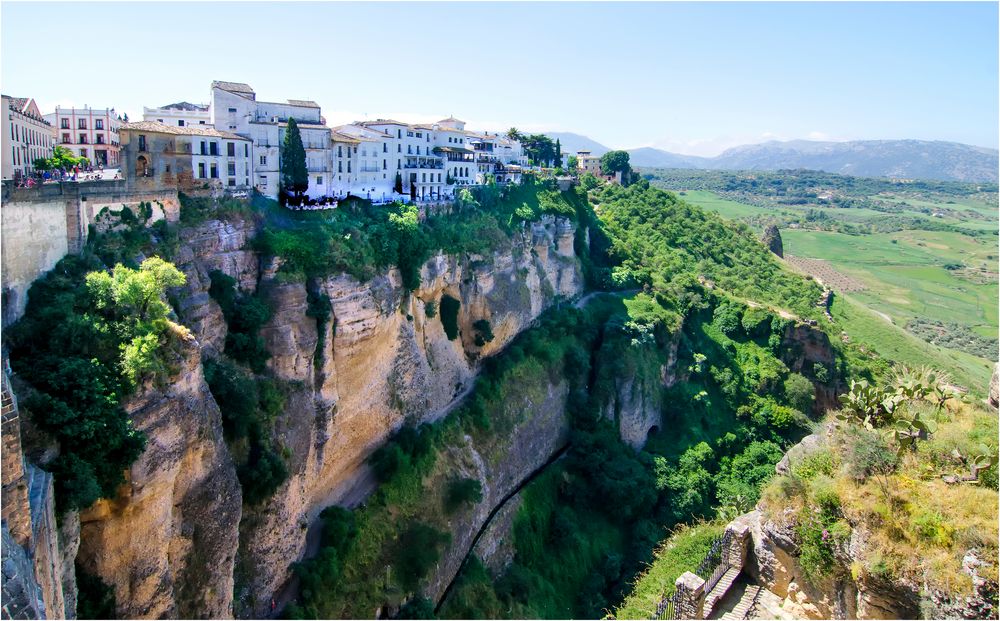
365, 162
88, 132
235, 109
364, 158
180, 114
26, 136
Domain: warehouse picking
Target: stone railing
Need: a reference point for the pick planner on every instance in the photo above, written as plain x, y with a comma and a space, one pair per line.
691, 590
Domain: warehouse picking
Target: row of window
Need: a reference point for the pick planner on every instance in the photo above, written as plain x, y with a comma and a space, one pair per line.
98, 139
33, 154
213, 170
29, 136
212, 148
81, 123
180, 122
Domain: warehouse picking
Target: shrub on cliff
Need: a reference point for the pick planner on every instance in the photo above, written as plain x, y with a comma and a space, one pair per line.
484, 332
245, 315
462, 491
800, 392
87, 339
262, 473
249, 404
417, 551
404, 448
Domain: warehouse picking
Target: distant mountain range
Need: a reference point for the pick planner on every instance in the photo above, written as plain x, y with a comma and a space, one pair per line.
907, 159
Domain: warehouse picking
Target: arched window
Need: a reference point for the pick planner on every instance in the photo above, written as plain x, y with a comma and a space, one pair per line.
141, 166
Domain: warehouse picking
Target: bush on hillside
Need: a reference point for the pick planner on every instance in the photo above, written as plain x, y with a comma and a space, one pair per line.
88, 338
462, 491
418, 550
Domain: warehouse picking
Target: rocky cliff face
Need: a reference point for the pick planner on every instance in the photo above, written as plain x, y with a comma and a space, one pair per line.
177, 541
502, 464
807, 349
167, 543
636, 401
381, 360
772, 239
775, 563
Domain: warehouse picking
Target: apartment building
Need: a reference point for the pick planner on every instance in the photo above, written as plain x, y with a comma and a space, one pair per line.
88, 132
180, 114
360, 159
234, 108
26, 136
193, 157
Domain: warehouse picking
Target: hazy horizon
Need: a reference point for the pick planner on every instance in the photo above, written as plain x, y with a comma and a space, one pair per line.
693, 79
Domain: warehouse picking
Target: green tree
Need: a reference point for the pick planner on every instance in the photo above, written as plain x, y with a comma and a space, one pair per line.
615, 161
294, 175
514, 134
135, 301
397, 186
61, 158
558, 153
572, 162
799, 392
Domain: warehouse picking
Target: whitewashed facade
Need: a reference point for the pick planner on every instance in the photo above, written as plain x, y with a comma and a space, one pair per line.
26, 136
181, 114
364, 158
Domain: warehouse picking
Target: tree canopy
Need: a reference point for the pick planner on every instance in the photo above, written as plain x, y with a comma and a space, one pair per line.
61, 158
615, 161
540, 148
294, 175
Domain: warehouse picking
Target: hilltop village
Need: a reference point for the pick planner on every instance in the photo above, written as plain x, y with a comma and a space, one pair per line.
233, 145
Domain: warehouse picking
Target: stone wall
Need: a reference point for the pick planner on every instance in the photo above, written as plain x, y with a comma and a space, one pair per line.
42, 224
33, 574
15, 509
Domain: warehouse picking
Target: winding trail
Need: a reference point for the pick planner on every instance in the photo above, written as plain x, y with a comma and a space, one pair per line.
496, 509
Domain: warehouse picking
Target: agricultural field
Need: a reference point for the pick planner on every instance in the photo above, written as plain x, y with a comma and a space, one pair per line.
915, 269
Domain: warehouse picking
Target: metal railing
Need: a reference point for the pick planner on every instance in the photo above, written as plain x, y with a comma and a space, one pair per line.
666, 609
712, 567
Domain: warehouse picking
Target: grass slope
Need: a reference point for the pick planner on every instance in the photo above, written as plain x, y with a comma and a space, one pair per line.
893, 343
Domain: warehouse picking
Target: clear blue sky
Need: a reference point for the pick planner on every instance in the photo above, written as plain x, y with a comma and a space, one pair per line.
693, 78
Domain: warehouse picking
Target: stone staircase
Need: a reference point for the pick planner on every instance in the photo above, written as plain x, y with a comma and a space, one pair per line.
720, 589
743, 608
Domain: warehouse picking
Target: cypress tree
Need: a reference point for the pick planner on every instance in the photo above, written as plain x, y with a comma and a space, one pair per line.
294, 176
558, 153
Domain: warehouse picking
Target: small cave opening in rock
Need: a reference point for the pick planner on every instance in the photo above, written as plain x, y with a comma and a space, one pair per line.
655, 429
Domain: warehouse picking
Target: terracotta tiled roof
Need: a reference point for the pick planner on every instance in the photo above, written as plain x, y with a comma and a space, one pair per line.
450, 119
189, 130
233, 87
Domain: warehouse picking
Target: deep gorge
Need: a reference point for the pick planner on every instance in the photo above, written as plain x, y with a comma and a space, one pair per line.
645, 393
